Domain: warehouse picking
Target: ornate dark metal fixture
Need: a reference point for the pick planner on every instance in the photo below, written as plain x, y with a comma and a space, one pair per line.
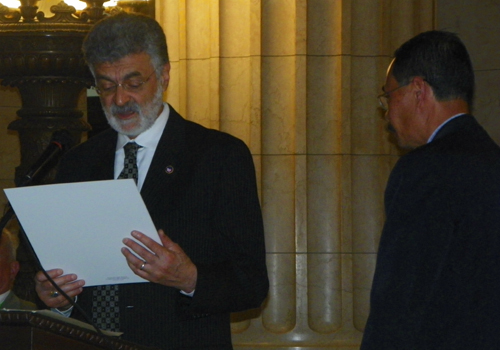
28, 12
41, 56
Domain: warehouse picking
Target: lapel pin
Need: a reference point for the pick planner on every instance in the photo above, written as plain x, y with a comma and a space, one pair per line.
169, 169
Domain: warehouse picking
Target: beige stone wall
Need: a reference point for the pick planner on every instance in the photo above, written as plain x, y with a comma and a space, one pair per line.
477, 23
10, 157
297, 80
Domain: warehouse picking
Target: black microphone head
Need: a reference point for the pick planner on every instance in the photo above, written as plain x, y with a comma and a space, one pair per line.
63, 139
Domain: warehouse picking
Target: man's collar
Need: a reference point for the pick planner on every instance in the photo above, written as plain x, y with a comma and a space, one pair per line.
441, 126
3, 297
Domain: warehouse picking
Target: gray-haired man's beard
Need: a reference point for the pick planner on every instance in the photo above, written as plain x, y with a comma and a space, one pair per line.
146, 115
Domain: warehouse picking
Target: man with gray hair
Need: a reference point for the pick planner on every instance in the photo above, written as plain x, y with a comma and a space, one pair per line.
199, 187
9, 267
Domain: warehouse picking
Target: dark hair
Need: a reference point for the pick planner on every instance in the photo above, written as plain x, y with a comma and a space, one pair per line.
442, 60
122, 34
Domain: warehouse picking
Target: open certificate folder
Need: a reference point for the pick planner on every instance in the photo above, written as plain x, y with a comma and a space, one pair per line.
79, 227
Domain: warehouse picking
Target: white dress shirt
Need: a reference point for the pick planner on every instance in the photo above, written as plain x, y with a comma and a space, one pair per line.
4, 296
148, 140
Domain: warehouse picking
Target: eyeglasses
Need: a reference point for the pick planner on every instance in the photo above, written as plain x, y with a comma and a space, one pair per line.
383, 98
130, 85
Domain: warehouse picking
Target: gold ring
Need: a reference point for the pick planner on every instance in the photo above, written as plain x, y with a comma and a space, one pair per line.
142, 266
54, 294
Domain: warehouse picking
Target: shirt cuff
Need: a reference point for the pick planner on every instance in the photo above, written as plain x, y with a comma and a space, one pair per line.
65, 313
188, 294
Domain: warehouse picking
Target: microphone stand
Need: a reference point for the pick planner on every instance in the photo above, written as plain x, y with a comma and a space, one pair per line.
61, 138
9, 213
7, 216
3, 222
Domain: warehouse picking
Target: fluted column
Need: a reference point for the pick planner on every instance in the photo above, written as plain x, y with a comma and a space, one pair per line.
297, 80
372, 152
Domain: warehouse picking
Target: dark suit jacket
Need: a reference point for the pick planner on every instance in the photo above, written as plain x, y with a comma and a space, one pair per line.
209, 206
15, 303
437, 277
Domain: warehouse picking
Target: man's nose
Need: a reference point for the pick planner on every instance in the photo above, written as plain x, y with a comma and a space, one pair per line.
121, 96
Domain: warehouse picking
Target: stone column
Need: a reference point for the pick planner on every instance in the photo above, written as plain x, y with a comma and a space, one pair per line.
298, 81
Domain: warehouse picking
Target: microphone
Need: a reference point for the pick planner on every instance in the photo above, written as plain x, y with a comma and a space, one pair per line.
60, 142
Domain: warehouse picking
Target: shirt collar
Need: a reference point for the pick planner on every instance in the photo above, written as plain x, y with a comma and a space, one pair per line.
3, 297
441, 126
150, 137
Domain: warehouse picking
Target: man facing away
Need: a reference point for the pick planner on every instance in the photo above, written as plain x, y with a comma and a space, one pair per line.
437, 277
198, 185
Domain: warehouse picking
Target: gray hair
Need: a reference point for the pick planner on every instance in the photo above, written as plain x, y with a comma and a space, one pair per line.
123, 34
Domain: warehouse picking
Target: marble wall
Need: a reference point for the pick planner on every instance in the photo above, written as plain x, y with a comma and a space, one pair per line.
478, 25
298, 81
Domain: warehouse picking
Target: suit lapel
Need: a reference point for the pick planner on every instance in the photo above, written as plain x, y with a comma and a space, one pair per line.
103, 167
167, 165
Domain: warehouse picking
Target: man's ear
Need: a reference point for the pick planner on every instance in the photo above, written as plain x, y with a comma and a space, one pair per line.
421, 88
165, 74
